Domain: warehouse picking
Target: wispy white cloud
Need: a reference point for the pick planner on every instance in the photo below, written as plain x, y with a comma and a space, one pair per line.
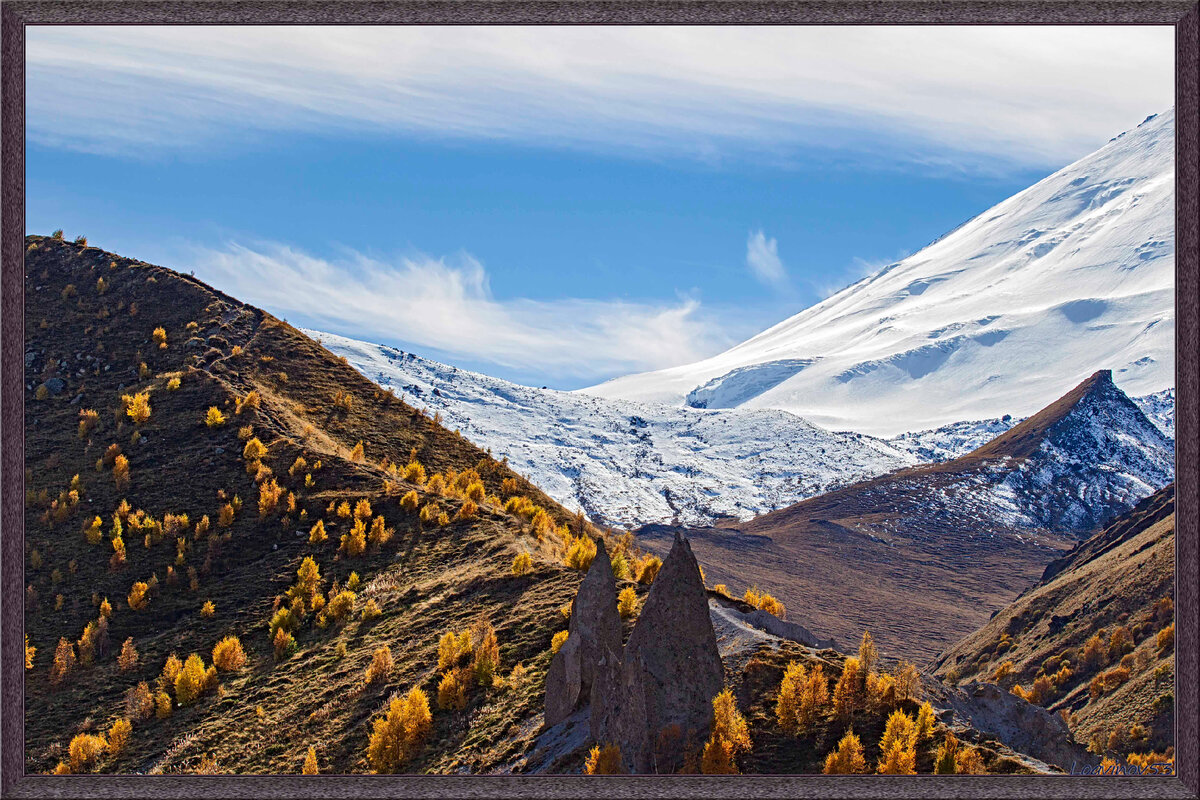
762, 258
447, 306
950, 97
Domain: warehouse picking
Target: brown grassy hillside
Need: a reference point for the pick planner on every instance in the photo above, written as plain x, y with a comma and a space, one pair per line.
92, 336
1094, 639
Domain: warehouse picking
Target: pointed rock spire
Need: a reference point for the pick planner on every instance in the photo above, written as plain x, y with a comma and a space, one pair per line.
670, 670
594, 639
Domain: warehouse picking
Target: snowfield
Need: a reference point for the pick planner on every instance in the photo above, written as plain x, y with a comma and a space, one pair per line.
1072, 275
630, 463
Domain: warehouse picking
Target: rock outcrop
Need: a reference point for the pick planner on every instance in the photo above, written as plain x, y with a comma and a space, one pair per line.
670, 668
1020, 725
593, 642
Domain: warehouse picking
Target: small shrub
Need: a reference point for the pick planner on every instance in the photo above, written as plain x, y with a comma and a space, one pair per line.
269, 493
848, 758
137, 407
85, 749
410, 501
627, 603
254, 450
88, 419
310, 763
64, 662
228, 655
398, 735
522, 564
380, 667
968, 761
379, 534
127, 659
603, 761
486, 649
764, 601
647, 569
357, 454
284, 645
1165, 639
1094, 654
317, 535
581, 553
190, 682
1003, 672
121, 471
138, 595
214, 418
118, 736
371, 610
163, 705
451, 692
558, 641
354, 543
251, 401
467, 510
160, 337
173, 383
1164, 609
139, 702
414, 472
340, 605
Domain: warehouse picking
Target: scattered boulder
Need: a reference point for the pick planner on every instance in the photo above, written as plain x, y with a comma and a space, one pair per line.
594, 636
56, 385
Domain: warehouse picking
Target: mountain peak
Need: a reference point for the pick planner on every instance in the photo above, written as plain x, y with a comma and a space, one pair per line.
1023, 440
1070, 275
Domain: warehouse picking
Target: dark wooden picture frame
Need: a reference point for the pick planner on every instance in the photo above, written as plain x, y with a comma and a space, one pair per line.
1184, 16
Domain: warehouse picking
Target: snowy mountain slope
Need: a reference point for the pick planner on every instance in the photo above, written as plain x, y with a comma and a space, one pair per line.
631, 463
959, 438
1072, 275
1090, 464
1160, 409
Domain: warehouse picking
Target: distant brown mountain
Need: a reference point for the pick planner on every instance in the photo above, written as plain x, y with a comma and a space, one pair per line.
922, 556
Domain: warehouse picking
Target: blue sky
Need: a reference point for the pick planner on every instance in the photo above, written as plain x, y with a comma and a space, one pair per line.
556, 206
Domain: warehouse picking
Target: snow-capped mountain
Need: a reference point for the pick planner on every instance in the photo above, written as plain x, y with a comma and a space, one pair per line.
1075, 470
1072, 275
625, 462
633, 463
